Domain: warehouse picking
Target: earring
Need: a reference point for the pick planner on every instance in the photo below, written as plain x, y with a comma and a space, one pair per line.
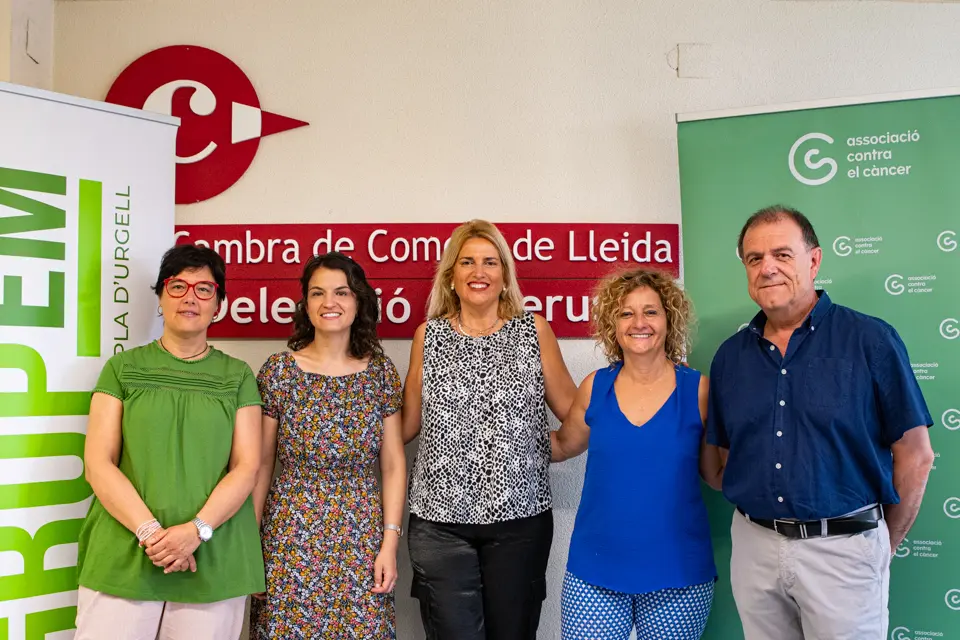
451, 286
159, 310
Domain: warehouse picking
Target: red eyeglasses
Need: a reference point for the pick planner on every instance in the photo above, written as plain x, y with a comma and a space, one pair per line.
177, 288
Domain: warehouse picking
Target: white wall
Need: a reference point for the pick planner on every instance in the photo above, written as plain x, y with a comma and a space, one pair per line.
517, 110
5, 40
31, 56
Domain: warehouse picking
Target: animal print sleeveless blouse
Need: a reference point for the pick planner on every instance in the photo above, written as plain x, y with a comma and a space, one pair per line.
484, 450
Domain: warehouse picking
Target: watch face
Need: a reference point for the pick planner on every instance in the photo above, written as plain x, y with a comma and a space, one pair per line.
206, 533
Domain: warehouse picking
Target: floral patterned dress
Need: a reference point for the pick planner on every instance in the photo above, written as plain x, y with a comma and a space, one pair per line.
323, 521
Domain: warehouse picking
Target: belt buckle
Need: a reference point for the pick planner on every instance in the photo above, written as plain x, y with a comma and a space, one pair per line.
801, 525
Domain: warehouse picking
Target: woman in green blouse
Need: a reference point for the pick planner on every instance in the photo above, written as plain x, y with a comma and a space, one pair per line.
170, 547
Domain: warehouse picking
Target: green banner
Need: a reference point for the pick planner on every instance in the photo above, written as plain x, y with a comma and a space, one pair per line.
880, 180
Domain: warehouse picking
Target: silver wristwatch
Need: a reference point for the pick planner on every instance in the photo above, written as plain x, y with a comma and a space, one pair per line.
204, 530
394, 527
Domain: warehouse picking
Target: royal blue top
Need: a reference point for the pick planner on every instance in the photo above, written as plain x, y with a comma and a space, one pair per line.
642, 524
809, 432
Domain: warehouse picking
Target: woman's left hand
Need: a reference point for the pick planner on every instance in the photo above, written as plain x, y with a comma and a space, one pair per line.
385, 568
176, 543
190, 564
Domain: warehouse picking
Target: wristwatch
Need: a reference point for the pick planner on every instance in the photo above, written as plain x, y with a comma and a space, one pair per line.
394, 527
204, 530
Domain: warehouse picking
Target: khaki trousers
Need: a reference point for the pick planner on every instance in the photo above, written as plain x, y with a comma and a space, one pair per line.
833, 588
104, 617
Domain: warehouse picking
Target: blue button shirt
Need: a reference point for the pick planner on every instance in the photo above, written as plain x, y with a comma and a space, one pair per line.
809, 432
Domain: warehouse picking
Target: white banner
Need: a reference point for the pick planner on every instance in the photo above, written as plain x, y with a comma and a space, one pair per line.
86, 211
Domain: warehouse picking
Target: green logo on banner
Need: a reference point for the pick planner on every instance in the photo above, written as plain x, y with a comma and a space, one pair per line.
35, 204
37, 215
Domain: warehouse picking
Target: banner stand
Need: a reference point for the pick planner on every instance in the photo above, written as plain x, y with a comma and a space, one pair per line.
86, 211
877, 176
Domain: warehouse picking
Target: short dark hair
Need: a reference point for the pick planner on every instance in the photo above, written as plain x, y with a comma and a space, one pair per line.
364, 341
188, 257
775, 213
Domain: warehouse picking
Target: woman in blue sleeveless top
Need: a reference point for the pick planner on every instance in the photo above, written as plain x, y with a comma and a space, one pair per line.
640, 555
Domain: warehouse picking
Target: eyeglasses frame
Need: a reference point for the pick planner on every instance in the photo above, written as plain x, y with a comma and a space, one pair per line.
190, 285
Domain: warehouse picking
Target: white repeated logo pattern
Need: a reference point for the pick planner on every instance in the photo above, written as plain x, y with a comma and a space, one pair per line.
946, 241
903, 550
894, 284
949, 329
841, 246
901, 633
951, 419
809, 162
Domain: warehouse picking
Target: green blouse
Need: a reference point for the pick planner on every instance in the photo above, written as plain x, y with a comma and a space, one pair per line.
177, 430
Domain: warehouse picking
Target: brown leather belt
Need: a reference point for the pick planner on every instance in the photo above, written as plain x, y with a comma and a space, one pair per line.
844, 525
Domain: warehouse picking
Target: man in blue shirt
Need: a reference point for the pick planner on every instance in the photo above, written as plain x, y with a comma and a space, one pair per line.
823, 431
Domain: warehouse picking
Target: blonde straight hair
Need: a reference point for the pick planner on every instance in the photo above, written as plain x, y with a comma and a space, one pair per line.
444, 301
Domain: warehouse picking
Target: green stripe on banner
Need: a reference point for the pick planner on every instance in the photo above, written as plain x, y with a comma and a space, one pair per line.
88, 268
43, 493
36, 401
40, 623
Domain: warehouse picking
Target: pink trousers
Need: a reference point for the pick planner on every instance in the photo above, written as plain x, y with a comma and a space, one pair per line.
101, 616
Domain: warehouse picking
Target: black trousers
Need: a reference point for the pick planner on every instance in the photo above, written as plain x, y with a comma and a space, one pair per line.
480, 581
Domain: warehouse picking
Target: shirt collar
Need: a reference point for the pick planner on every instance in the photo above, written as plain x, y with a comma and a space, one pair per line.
816, 315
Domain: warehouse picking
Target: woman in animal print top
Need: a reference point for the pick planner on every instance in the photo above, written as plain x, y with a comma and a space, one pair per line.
482, 373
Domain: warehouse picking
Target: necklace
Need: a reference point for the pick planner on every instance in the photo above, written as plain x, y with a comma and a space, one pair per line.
477, 334
162, 346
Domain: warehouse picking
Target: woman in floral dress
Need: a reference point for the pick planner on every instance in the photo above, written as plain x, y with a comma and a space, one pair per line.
331, 412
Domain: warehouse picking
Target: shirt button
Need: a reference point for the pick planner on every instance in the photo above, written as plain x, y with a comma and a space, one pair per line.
778, 465
782, 403
812, 328
779, 498
783, 371
779, 434
772, 347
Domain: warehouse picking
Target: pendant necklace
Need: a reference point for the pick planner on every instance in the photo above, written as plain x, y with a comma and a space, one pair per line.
480, 334
162, 346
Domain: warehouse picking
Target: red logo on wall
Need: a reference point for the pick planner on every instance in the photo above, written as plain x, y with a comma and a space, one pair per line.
221, 121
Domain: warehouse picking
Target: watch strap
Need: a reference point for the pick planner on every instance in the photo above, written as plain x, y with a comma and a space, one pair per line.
200, 524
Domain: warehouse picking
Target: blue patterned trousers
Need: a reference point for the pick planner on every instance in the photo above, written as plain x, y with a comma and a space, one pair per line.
595, 613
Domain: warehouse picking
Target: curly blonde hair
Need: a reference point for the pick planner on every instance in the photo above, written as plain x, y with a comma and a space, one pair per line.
444, 302
608, 302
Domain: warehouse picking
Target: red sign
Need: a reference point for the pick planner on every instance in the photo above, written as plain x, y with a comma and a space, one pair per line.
221, 121
558, 266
